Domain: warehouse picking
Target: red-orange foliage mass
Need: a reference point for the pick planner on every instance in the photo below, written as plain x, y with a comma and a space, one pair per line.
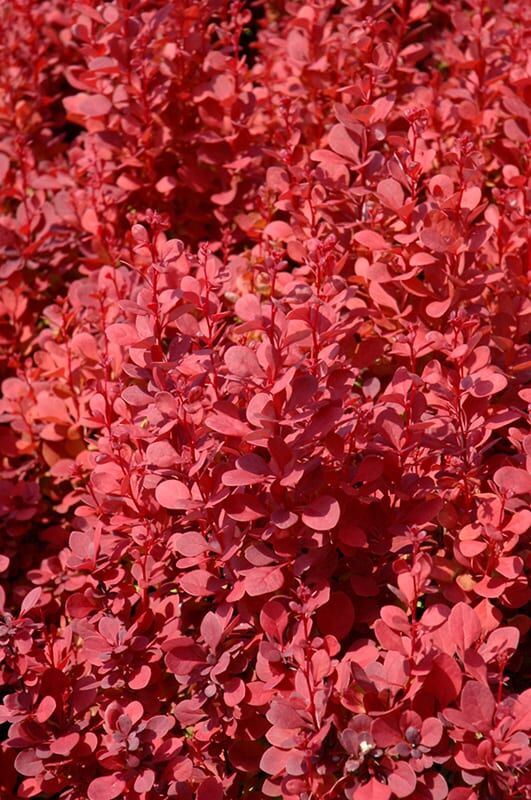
264, 424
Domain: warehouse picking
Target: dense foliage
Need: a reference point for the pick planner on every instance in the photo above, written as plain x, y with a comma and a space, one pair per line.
264, 442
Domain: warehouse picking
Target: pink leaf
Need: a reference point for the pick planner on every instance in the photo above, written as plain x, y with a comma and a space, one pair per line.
371, 240
199, 583
283, 715
391, 192
28, 764
87, 105
263, 580
438, 308
273, 761
226, 421
64, 745
250, 469
322, 514
279, 230
189, 544
31, 600
441, 234
484, 383
234, 691
513, 479
477, 705
134, 396
173, 494
4, 166
242, 362
140, 678
248, 307
501, 642
211, 630
161, 454
373, 790
395, 618
106, 788
343, 143
45, 709
144, 781
166, 184
431, 732
464, 627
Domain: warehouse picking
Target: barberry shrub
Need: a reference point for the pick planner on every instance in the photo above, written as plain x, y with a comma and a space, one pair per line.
264, 442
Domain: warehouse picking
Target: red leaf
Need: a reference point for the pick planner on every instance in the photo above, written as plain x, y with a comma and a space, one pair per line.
211, 789
352, 536
402, 780
245, 508
184, 657
337, 616
274, 619
211, 630
444, 680
396, 618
